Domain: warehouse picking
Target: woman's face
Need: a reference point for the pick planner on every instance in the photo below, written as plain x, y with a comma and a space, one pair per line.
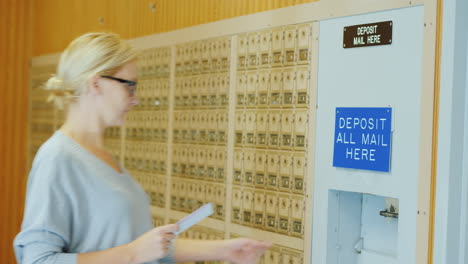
117, 97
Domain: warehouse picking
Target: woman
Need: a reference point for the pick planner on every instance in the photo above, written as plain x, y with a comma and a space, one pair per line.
81, 206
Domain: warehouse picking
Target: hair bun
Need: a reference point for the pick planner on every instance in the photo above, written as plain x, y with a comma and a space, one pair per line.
54, 83
58, 94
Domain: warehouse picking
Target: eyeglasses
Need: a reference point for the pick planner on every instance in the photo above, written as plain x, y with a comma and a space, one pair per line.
130, 84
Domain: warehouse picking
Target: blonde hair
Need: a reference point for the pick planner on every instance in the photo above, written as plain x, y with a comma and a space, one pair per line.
86, 56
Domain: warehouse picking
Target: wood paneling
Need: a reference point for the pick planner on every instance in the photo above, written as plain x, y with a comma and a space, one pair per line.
15, 54
57, 22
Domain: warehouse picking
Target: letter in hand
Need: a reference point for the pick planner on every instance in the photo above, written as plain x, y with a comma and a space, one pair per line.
245, 251
153, 244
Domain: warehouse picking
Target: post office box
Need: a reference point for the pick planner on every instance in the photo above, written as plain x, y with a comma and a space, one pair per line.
211, 163
241, 88
197, 234
263, 87
193, 119
185, 154
191, 196
204, 87
277, 47
273, 255
185, 127
260, 168
212, 235
163, 160
149, 189
284, 212
193, 162
163, 125
165, 87
220, 201
291, 256
301, 120
276, 86
195, 58
201, 194
203, 125
187, 100
251, 89
175, 192
212, 126
225, 53
302, 86
150, 65
249, 167
194, 92
238, 166
274, 122
253, 49
247, 206
210, 193
158, 221
259, 209
262, 126
178, 88
299, 172
242, 48
220, 164
297, 215
265, 48
183, 206
239, 127
223, 90
213, 81
162, 193
142, 89
184, 52
214, 55
203, 234
271, 211
285, 170
205, 56
166, 58
177, 130
222, 127
189, 233
287, 123
250, 127
236, 204
290, 40
201, 163
289, 87
303, 43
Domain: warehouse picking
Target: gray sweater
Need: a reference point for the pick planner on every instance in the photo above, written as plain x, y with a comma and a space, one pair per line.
76, 203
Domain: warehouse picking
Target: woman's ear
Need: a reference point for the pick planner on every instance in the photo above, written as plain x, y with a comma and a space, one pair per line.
94, 85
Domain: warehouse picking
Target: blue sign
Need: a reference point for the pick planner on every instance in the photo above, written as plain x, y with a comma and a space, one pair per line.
363, 138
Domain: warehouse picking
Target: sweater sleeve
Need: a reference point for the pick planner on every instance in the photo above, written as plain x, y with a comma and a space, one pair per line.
46, 228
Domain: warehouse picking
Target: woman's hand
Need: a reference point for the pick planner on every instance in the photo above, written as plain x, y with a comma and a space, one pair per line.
244, 250
153, 244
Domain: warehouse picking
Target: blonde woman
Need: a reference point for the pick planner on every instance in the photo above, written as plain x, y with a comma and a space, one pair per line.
81, 205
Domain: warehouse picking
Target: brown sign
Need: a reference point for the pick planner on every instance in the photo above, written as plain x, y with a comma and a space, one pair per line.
373, 34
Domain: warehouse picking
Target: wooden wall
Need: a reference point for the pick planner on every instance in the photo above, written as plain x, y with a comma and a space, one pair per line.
57, 22
15, 52
33, 27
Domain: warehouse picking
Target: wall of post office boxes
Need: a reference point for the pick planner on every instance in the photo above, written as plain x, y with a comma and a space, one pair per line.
185, 94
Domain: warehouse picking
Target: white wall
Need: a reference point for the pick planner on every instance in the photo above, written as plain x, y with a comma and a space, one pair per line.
452, 183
